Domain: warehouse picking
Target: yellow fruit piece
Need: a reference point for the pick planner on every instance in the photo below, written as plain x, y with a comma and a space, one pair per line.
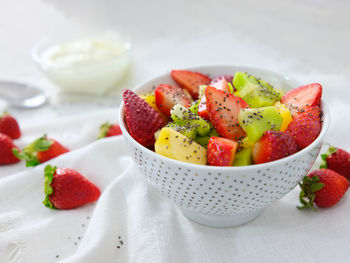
245, 143
285, 114
151, 100
174, 145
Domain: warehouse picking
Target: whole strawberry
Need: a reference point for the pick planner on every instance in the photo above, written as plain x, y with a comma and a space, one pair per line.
141, 119
66, 188
322, 187
108, 130
9, 126
305, 126
6, 154
337, 160
272, 146
41, 150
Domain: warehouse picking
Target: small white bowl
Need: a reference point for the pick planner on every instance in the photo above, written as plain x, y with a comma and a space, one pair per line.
224, 196
95, 77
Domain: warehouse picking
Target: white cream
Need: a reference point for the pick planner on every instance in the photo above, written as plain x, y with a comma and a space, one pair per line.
89, 65
83, 52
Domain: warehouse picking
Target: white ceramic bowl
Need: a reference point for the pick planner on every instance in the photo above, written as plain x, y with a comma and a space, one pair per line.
95, 77
224, 196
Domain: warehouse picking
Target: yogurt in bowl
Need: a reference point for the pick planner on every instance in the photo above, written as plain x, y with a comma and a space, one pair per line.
89, 65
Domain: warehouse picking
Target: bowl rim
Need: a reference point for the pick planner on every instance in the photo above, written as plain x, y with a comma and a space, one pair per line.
325, 125
36, 55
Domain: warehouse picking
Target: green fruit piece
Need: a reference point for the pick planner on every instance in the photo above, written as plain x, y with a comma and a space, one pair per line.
256, 92
203, 140
194, 107
240, 80
190, 133
174, 145
243, 157
184, 117
256, 121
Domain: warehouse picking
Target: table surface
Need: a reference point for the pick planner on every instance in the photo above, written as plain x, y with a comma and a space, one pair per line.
306, 39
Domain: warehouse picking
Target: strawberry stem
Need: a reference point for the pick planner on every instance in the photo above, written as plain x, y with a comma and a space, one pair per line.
48, 175
309, 187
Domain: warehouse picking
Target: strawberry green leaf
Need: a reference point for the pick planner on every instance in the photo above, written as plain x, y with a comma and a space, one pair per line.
316, 186
48, 176
30, 158
104, 130
324, 157
309, 187
40, 145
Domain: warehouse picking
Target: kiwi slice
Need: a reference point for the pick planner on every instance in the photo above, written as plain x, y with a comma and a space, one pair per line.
243, 157
256, 92
190, 133
256, 121
184, 117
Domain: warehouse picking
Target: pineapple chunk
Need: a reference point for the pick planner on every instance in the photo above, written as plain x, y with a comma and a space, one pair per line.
174, 145
285, 114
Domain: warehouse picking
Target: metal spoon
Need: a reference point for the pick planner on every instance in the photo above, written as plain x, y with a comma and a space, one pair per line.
21, 95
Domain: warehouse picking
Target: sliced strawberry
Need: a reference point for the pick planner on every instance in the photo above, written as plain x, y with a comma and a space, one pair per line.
221, 151
6, 146
306, 126
167, 96
190, 81
202, 108
272, 146
223, 109
141, 119
303, 97
67, 189
220, 84
9, 126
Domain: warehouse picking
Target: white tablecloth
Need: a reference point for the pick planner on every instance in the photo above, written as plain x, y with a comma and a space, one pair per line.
307, 40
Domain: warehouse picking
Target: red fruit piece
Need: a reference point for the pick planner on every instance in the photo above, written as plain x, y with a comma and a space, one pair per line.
221, 151
323, 187
41, 150
303, 97
223, 109
108, 130
9, 126
66, 188
305, 126
272, 146
190, 81
337, 160
141, 119
6, 146
202, 107
167, 96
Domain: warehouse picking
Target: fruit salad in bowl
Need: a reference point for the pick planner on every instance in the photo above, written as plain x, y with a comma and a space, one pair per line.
223, 142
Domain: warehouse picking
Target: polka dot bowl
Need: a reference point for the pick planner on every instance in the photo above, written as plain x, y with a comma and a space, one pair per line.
224, 196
